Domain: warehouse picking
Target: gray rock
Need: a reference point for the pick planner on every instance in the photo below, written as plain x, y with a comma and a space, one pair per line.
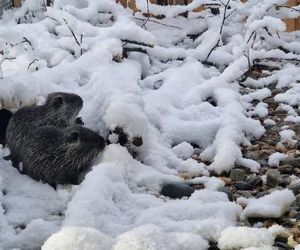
237, 174
297, 216
261, 194
297, 201
255, 181
226, 191
176, 190
286, 169
281, 246
273, 177
295, 162
295, 188
242, 185
244, 193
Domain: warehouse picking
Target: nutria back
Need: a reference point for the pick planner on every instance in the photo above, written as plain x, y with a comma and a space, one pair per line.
5, 116
59, 156
60, 110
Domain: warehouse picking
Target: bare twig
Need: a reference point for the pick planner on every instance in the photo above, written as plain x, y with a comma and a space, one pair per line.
137, 43
167, 25
141, 50
72, 32
148, 15
221, 28
32, 63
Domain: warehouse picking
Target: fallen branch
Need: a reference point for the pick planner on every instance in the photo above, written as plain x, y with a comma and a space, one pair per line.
126, 41
167, 25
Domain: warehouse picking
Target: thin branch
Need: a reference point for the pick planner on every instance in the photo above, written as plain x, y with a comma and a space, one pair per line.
288, 7
167, 25
148, 15
137, 43
72, 32
32, 63
221, 29
141, 50
253, 32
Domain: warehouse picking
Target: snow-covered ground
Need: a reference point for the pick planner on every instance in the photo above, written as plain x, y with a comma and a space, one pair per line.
180, 98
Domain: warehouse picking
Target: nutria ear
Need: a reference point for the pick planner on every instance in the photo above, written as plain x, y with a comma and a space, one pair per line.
57, 101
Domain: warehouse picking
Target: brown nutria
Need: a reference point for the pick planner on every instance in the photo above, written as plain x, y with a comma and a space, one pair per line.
60, 110
59, 156
5, 116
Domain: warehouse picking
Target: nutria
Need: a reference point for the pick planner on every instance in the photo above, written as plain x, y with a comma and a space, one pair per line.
5, 116
60, 110
59, 156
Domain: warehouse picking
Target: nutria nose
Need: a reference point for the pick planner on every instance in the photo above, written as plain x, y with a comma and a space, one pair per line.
100, 142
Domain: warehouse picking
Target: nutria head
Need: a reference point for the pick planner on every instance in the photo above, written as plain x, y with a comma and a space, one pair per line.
59, 156
60, 104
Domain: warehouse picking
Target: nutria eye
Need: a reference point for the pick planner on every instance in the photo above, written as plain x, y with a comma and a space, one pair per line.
58, 101
74, 137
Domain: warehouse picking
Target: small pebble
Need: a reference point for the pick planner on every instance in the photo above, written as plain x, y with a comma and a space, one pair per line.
295, 188
226, 180
273, 177
295, 162
237, 174
226, 191
255, 181
286, 169
242, 185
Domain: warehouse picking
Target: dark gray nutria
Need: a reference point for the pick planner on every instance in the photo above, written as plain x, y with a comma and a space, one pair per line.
59, 156
60, 110
5, 116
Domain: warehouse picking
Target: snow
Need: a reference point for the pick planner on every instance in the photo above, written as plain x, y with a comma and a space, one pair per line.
78, 238
273, 205
275, 158
286, 136
183, 150
269, 122
179, 98
244, 237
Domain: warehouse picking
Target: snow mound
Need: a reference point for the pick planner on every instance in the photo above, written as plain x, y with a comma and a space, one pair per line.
244, 237
78, 238
273, 205
275, 158
151, 237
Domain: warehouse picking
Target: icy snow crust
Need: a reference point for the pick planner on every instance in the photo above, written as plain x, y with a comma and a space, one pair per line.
171, 100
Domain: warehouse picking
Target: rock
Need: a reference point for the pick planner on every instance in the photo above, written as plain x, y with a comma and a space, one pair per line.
295, 232
286, 169
297, 201
285, 181
237, 174
197, 151
286, 222
244, 193
295, 162
255, 181
176, 190
226, 180
242, 185
295, 188
226, 191
296, 216
273, 177
281, 246
291, 242
261, 194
